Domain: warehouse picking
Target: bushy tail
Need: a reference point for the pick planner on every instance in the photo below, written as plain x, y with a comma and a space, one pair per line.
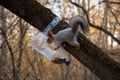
76, 21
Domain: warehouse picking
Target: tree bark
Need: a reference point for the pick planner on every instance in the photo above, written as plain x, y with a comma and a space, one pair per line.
90, 55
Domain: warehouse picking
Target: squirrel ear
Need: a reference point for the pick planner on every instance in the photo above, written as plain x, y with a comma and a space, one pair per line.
50, 33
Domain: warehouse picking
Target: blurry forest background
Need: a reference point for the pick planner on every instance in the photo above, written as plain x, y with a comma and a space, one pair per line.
18, 58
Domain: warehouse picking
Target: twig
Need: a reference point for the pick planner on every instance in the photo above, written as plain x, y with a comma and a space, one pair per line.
114, 15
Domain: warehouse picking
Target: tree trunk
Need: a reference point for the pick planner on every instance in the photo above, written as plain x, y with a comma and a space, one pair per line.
90, 55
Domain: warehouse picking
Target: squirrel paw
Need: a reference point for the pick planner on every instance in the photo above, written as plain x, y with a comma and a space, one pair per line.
57, 48
77, 47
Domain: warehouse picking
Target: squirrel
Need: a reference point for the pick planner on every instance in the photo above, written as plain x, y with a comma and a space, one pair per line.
69, 34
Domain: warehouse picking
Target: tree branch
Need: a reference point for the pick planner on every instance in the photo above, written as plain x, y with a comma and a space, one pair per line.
96, 26
114, 15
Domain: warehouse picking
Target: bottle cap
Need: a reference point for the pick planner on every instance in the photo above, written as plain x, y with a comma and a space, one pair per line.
67, 62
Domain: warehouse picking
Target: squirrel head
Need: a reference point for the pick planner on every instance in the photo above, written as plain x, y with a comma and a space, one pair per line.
50, 37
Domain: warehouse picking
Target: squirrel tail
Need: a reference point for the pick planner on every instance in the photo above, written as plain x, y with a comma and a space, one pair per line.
76, 21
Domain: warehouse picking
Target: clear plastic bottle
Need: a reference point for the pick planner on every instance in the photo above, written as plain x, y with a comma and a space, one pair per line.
39, 43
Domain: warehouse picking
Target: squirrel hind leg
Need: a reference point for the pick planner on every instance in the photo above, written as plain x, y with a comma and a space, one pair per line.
76, 45
64, 44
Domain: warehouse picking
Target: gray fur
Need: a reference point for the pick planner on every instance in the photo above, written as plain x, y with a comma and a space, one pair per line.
76, 21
